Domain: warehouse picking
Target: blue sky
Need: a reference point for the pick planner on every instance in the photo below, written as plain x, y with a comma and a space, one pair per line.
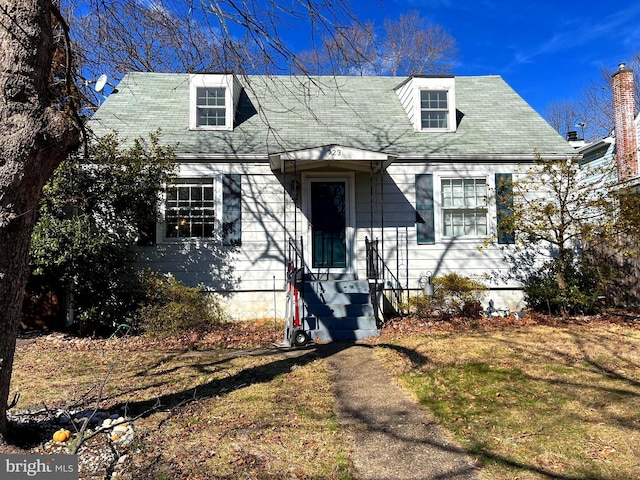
546, 50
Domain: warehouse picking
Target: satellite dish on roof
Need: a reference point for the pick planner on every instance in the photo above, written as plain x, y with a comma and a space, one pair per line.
101, 82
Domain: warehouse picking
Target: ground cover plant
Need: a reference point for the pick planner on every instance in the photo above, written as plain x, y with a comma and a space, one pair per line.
530, 401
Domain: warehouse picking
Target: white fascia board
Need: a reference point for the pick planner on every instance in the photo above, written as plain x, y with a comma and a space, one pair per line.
222, 157
485, 157
595, 145
333, 152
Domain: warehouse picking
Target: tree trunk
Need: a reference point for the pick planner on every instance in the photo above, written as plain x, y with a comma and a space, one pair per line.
561, 274
36, 137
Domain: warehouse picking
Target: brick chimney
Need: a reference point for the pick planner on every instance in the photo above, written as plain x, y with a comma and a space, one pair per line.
624, 109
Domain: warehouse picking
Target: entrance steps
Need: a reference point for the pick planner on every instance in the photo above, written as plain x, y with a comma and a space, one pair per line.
338, 308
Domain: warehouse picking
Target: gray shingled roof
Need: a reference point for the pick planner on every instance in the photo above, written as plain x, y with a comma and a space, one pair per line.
293, 113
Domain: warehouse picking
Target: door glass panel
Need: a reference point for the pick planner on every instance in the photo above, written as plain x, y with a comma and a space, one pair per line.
328, 220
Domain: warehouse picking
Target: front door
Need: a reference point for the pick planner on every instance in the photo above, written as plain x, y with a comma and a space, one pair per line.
330, 227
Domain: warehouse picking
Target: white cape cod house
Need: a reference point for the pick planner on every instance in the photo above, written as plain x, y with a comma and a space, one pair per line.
340, 179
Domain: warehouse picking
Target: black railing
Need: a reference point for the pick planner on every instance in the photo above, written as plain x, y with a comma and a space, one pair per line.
382, 277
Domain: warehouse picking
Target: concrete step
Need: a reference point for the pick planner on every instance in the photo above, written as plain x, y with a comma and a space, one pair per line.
346, 323
342, 335
332, 298
340, 310
323, 276
337, 286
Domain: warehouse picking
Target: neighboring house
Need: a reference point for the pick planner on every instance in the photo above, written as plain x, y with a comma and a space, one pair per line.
330, 162
617, 154
620, 148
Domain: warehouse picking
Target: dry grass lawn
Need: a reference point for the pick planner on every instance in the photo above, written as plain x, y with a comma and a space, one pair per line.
534, 402
528, 401
216, 413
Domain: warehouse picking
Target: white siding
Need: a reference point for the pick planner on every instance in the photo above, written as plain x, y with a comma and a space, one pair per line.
396, 216
405, 94
252, 269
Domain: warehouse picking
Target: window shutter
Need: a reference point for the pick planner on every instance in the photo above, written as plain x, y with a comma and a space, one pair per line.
231, 210
504, 207
425, 225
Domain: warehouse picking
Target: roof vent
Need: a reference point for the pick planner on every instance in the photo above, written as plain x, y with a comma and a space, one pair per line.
572, 136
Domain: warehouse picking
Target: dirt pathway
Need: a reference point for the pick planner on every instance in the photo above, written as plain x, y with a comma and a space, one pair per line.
395, 439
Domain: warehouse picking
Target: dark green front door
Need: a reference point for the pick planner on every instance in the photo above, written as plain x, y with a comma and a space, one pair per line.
329, 223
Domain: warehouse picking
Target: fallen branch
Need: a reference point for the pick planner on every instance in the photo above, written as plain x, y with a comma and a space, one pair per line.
14, 402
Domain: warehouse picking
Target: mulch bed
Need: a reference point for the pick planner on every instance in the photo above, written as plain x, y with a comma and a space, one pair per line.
423, 326
231, 335
246, 335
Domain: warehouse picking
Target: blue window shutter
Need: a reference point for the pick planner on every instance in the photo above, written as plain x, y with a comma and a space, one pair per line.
504, 207
425, 225
231, 209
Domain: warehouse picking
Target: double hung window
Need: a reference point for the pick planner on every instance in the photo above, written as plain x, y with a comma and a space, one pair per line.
190, 208
434, 109
464, 207
457, 207
204, 208
211, 107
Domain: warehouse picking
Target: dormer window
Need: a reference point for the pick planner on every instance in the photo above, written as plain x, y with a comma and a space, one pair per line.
430, 102
434, 110
211, 107
213, 100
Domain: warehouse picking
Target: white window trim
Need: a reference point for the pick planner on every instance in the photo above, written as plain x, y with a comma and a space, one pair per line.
438, 209
451, 110
161, 227
444, 84
408, 93
422, 110
211, 81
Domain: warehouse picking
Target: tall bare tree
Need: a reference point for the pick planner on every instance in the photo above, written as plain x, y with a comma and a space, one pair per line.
38, 95
352, 50
413, 46
563, 116
401, 47
38, 130
114, 37
595, 103
594, 106
126, 35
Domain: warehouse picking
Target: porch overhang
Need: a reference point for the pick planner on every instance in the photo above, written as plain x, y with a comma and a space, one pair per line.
330, 156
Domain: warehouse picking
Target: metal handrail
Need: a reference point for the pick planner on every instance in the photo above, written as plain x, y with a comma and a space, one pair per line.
377, 266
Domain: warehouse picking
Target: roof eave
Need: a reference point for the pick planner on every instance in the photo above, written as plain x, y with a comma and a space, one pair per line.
487, 157
451, 157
